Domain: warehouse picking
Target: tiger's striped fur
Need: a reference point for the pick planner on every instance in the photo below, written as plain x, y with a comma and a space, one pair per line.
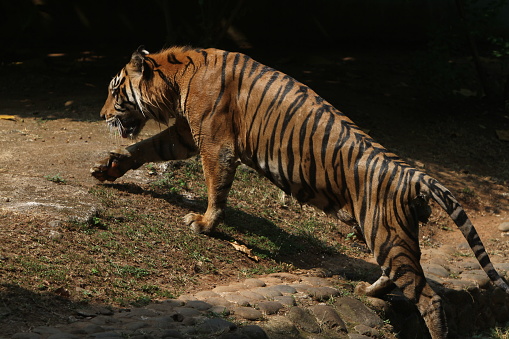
232, 109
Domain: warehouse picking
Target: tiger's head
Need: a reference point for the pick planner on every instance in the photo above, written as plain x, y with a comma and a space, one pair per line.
125, 110
135, 96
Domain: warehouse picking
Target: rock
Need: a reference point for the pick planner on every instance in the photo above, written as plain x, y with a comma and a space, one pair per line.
303, 319
435, 269
86, 328
323, 293
328, 317
206, 294
267, 292
282, 327
238, 299
135, 325
469, 265
284, 289
173, 334
215, 326
247, 313
167, 321
107, 335
105, 320
26, 336
478, 276
63, 336
251, 295
187, 297
187, 311
46, 330
269, 307
504, 227
503, 266
464, 246
367, 331
253, 283
316, 281
285, 276
272, 280
460, 284
219, 301
355, 311
199, 305
357, 336
163, 307
286, 300
301, 287
231, 288
219, 311
251, 332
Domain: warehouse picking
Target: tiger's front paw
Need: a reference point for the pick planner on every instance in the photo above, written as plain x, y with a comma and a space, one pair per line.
197, 223
110, 168
362, 288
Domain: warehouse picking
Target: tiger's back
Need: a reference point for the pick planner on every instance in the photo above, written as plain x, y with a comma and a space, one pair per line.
232, 109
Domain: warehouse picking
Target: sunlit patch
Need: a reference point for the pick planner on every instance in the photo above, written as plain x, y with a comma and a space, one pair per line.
56, 55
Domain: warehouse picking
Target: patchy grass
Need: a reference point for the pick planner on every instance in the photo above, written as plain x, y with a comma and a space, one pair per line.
138, 249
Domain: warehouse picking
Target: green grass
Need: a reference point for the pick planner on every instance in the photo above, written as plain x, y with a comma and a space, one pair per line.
56, 178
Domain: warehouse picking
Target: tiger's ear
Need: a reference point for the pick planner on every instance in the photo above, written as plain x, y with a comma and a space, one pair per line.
137, 61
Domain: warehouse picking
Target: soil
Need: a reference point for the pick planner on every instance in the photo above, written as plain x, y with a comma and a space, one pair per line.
55, 134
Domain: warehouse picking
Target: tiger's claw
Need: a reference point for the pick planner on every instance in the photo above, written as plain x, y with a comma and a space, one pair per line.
110, 168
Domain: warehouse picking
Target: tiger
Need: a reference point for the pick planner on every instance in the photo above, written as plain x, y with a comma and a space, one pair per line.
230, 109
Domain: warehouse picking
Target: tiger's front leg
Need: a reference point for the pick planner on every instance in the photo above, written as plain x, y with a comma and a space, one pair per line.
174, 143
219, 166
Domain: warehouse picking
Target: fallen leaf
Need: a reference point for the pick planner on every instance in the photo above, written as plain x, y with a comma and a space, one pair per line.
8, 117
63, 292
245, 250
503, 134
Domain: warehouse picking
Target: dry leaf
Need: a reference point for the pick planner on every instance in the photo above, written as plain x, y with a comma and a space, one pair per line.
244, 249
8, 117
503, 134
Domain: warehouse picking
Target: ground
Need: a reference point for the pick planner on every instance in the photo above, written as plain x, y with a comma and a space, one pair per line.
51, 135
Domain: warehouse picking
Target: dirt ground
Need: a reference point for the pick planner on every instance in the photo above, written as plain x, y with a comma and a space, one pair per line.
55, 132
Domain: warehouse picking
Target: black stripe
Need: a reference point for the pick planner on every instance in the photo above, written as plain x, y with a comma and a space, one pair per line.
172, 59
252, 86
264, 92
235, 63
241, 76
223, 83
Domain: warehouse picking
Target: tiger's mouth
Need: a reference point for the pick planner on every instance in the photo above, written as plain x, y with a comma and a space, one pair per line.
125, 128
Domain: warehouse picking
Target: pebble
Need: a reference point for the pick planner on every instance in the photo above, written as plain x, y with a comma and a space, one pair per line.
504, 227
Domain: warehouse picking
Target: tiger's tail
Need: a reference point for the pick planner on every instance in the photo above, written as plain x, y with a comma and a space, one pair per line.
448, 202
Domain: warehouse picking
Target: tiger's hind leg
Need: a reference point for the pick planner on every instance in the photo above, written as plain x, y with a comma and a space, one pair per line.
406, 273
380, 287
219, 166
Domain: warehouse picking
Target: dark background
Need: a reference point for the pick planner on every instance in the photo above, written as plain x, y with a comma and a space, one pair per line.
441, 28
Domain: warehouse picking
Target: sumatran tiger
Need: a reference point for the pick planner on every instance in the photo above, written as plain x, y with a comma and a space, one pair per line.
230, 109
